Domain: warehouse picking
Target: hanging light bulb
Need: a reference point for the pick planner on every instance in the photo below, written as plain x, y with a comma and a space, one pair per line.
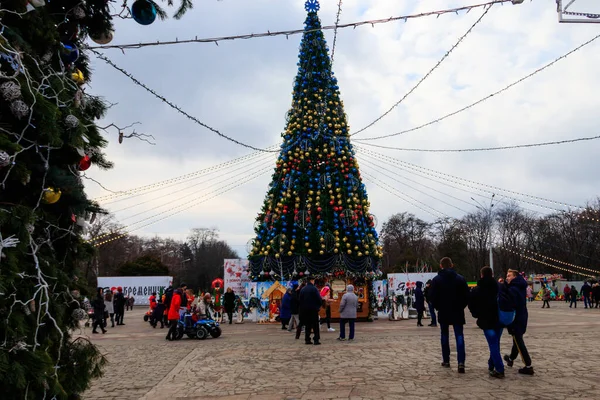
295, 272
307, 272
262, 273
271, 272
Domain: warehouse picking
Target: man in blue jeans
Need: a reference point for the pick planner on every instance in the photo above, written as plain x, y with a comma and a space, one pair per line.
449, 295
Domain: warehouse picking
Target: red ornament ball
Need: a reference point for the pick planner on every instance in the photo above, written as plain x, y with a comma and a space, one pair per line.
85, 163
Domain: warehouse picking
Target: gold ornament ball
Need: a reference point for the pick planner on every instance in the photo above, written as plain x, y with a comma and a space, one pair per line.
51, 195
309, 251
321, 252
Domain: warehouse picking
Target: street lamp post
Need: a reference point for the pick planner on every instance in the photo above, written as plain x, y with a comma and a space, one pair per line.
489, 213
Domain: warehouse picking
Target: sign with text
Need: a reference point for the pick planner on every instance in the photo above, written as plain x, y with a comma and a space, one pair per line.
235, 273
400, 283
138, 287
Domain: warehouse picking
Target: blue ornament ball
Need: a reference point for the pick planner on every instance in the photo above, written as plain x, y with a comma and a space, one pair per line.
69, 52
143, 12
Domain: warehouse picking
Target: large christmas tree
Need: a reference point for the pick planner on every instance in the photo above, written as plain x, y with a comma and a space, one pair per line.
48, 136
315, 218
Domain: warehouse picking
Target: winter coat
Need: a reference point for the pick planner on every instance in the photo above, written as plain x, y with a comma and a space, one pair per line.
574, 294
310, 298
419, 297
110, 307
426, 293
567, 290
295, 303
285, 310
99, 307
596, 292
348, 305
518, 292
119, 302
152, 301
546, 295
586, 289
483, 303
168, 296
159, 311
229, 301
184, 300
174, 307
449, 294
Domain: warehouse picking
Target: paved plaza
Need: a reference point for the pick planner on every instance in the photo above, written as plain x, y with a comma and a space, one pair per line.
388, 360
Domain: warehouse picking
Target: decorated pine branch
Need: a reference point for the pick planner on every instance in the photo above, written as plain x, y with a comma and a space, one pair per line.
48, 138
315, 218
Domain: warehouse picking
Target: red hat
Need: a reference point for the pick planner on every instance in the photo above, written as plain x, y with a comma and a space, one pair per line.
120, 289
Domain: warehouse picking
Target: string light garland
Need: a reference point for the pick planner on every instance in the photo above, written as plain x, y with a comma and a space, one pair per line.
146, 189
389, 189
444, 57
496, 188
518, 146
432, 178
220, 179
192, 202
170, 194
195, 202
557, 261
573, 252
375, 167
489, 96
335, 30
289, 33
174, 106
545, 263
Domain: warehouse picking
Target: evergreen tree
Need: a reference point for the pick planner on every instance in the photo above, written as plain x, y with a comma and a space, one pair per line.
315, 218
47, 137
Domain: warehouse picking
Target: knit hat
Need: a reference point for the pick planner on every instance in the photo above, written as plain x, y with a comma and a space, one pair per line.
325, 291
350, 289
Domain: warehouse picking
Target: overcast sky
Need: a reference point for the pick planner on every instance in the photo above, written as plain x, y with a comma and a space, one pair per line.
243, 88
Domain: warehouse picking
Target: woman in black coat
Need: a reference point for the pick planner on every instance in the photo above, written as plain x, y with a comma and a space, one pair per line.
483, 304
229, 303
99, 307
419, 302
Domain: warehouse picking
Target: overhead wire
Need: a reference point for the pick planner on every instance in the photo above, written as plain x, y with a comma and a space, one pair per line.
444, 57
483, 185
219, 177
178, 209
288, 33
173, 105
335, 30
518, 146
167, 183
489, 96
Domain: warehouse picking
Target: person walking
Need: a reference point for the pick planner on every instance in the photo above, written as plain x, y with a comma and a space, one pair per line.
450, 296
567, 293
294, 309
573, 295
419, 302
596, 293
301, 324
110, 308
327, 297
546, 298
158, 314
348, 307
119, 303
517, 287
483, 304
99, 307
586, 292
229, 303
429, 304
285, 310
310, 304
529, 293
173, 314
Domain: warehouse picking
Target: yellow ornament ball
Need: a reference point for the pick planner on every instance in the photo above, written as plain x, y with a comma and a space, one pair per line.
349, 251
289, 253
321, 252
51, 195
78, 77
309, 251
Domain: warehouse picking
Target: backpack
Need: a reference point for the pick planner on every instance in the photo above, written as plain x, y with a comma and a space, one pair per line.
506, 307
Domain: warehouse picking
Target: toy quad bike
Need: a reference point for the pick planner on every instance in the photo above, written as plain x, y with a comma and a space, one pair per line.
199, 329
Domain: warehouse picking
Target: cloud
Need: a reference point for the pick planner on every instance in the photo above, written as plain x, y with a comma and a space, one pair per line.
243, 88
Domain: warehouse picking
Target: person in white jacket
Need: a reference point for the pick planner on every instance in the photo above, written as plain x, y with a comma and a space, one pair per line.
348, 307
110, 308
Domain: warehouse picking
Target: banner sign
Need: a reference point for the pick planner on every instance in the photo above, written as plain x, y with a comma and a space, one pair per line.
138, 287
235, 274
380, 290
400, 283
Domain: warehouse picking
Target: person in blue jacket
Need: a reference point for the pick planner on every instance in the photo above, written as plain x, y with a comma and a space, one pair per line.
285, 309
517, 287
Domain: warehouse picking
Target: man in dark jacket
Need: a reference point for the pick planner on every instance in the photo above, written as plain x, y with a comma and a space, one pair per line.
586, 292
450, 295
310, 304
229, 303
483, 304
294, 309
517, 287
419, 302
429, 305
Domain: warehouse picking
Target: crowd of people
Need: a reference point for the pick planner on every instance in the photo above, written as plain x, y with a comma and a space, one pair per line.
109, 304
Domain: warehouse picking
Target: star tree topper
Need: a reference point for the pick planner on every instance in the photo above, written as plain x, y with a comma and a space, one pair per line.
312, 6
